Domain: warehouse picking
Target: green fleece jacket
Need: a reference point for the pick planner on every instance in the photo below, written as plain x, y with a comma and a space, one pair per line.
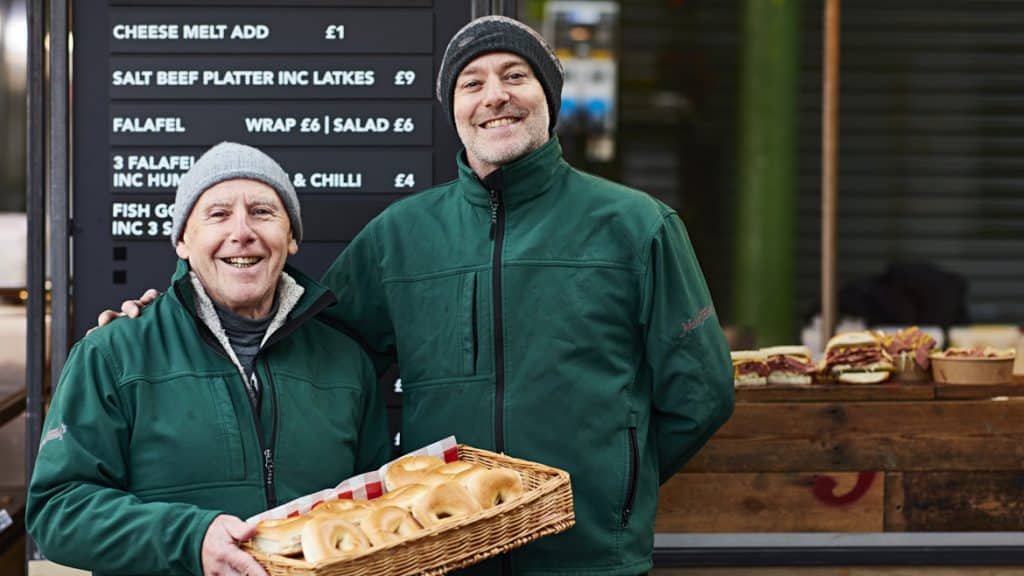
151, 434
554, 316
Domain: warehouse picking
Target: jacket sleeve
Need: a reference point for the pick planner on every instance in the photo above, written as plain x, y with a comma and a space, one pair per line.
79, 509
362, 308
685, 350
374, 436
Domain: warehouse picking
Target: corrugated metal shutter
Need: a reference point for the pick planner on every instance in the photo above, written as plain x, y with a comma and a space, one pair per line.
931, 145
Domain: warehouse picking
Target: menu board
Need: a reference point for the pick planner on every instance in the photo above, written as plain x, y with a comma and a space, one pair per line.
339, 92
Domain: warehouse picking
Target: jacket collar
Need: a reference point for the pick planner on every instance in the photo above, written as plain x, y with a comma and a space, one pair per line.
521, 180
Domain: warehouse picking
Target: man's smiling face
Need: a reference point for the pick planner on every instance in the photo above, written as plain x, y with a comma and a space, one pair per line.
236, 240
500, 111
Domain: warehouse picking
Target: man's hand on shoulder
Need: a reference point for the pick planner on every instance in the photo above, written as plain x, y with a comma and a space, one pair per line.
129, 308
221, 554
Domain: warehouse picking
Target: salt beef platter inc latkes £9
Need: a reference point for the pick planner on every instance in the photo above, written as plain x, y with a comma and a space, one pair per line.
439, 508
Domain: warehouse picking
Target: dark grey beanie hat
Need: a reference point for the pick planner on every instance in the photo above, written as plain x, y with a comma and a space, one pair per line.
500, 34
228, 161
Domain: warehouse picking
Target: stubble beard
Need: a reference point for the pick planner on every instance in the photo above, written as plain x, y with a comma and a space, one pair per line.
500, 153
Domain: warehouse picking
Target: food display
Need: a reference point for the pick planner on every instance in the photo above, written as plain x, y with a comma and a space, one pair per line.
973, 365
346, 528
909, 349
900, 354
749, 368
789, 364
973, 352
857, 358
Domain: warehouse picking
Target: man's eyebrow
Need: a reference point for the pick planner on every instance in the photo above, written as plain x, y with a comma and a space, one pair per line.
218, 204
503, 66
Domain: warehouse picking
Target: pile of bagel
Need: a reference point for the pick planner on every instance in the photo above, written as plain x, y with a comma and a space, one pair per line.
422, 492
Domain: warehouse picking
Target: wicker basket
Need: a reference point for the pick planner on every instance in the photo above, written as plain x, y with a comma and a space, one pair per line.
544, 508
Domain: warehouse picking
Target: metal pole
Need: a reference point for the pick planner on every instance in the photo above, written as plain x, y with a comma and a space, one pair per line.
766, 209
58, 145
479, 8
507, 8
36, 214
830, 170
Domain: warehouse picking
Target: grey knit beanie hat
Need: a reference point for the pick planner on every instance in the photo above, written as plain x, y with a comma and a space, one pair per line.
228, 161
500, 34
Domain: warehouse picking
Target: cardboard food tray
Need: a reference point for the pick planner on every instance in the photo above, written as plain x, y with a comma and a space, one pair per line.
544, 508
968, 370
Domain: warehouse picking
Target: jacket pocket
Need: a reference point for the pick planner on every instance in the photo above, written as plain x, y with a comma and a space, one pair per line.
187, 432
437, 315
318, 429
470, 338
631, 478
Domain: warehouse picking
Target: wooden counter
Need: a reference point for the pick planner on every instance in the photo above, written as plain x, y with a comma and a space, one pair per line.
848, 458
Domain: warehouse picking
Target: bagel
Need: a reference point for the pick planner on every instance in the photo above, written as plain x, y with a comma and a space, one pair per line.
389, 524
404, 497
449, 471
443, 503
409, 470
354, 515
326, 536
338, 506
282, 536
492, 487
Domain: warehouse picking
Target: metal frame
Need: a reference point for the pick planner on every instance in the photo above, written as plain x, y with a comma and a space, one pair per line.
480, 8
35, 141
46, 179
60, 159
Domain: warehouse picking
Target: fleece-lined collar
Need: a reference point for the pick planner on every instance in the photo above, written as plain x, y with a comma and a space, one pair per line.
289, 293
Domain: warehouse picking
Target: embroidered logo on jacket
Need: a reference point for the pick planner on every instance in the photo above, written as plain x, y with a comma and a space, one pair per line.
55, 433
698, 320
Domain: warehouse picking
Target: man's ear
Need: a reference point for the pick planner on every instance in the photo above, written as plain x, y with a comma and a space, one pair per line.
181, 249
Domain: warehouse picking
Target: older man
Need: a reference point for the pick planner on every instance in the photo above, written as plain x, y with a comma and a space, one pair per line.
228, 396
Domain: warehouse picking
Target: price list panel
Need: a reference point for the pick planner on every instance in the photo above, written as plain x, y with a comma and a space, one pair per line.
340, 92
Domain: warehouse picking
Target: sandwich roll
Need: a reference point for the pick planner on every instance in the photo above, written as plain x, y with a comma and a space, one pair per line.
863, 377
789, 364
857, 352
749, 368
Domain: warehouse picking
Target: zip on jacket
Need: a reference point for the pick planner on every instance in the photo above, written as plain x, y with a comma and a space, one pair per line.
266, 452
493, 184
634, 470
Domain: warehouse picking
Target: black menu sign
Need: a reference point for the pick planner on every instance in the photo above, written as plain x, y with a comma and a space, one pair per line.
340, 92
